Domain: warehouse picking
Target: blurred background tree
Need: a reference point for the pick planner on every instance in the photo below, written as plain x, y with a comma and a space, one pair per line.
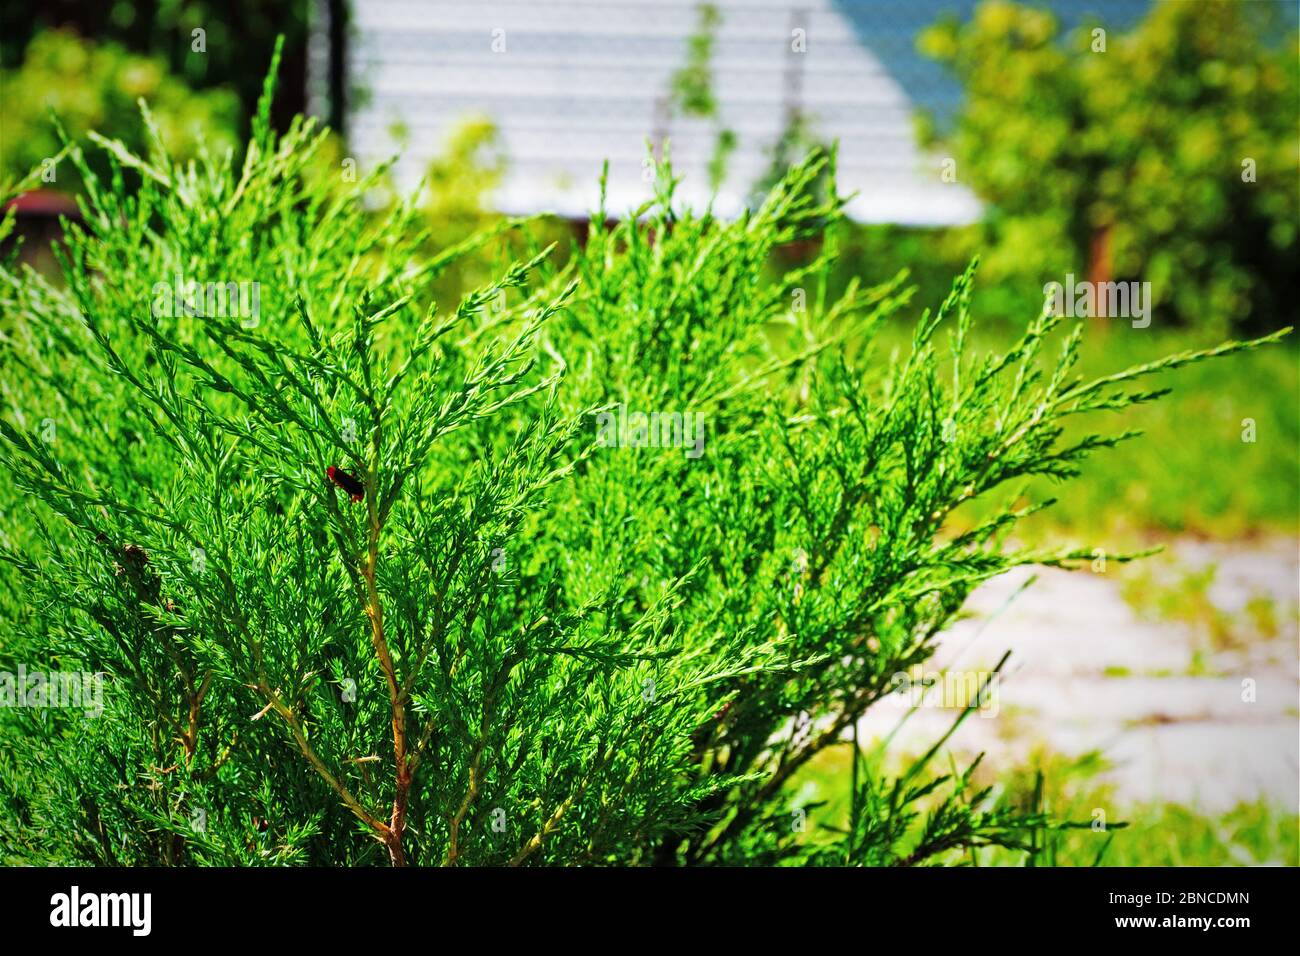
238, 37
1167, 154
95, 86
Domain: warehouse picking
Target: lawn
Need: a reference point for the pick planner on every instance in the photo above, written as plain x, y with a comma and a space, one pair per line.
1151, 834
1200, 467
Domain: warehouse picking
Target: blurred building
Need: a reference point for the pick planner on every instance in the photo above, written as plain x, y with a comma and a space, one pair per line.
573, 83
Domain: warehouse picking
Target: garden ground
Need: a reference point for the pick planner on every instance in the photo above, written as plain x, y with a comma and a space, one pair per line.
1129, 687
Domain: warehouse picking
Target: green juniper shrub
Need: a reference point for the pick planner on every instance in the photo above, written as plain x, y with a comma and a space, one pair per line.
582, 568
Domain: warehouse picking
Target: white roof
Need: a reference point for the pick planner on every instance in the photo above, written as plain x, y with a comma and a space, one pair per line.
584, 81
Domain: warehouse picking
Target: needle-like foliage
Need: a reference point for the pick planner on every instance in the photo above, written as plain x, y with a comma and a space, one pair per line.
619, 546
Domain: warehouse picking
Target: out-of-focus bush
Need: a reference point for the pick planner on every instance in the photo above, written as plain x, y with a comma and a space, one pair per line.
204, 43
463, 176
92, 86
459, 207
1167, 154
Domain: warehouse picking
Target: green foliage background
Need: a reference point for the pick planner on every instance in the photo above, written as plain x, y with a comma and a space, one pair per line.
97, 86
238, 35
1142, 142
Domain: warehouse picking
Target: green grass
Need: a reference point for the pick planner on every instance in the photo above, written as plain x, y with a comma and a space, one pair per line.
1190, 472
1251, 834
1160, 589
1152, 834
1155, 834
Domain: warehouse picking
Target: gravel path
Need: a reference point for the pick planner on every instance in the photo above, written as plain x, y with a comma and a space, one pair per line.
1161, 698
